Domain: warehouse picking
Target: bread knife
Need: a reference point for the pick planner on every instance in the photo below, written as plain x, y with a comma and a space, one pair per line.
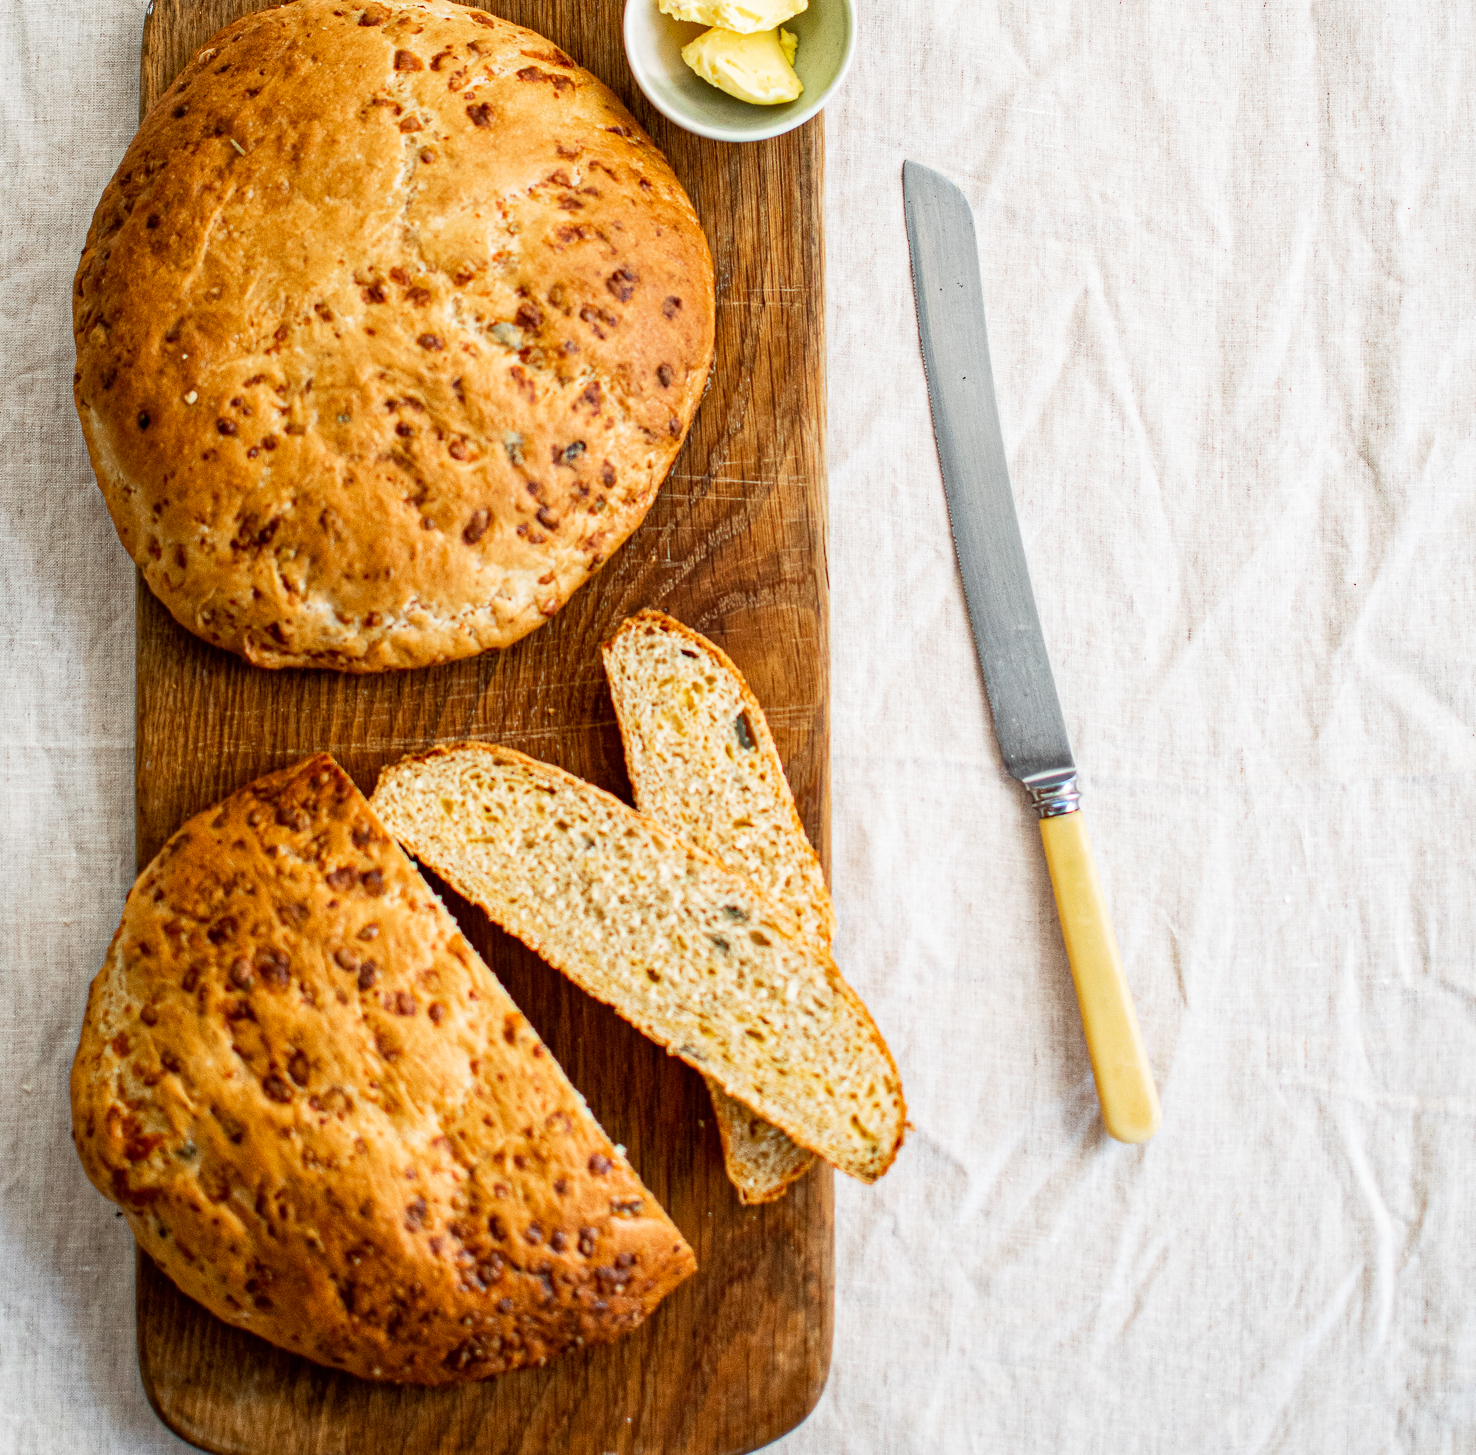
1007, 637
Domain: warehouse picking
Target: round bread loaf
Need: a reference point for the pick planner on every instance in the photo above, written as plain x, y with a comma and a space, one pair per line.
388, 327
325, 1119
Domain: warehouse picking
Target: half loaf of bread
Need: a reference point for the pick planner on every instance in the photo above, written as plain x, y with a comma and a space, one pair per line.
327, 1122
703, 762
690, 953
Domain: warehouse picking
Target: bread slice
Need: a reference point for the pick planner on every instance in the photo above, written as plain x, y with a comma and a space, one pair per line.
761, 1161
703, 762
691, 954
326, 1120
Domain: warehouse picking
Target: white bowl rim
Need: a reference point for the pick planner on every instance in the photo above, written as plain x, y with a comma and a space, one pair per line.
721, 133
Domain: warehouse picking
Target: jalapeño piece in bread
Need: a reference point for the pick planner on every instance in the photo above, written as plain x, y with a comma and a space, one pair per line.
687, 951
703, 762
388, 328
327, 1122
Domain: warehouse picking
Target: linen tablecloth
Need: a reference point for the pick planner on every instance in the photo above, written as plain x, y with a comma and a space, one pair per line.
1229, 258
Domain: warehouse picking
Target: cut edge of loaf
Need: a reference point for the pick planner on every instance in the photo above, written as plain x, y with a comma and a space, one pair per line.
406, 799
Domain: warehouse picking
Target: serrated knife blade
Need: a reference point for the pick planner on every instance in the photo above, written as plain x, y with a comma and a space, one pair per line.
976, 479
1007, 637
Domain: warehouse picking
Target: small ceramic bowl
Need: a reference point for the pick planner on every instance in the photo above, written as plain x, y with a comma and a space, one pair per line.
653, 45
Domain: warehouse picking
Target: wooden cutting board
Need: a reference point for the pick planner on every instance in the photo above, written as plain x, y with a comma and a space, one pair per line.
734, 546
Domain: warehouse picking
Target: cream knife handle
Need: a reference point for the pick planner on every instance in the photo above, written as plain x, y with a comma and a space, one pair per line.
1125, 1087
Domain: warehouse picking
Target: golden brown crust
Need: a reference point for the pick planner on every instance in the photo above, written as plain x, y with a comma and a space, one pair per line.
327, 1122
388, 328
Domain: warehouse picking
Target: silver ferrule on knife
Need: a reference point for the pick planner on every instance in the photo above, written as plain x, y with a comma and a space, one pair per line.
1053, 794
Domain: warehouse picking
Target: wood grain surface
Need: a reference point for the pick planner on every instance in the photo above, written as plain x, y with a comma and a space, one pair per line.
734, 546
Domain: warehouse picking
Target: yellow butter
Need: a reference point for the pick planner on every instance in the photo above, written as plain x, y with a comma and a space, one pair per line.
757, 68
744, 16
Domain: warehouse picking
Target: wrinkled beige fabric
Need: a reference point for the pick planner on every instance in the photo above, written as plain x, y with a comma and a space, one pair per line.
1230, 270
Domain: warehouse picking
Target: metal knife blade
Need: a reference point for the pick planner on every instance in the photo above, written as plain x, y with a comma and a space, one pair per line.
981, 508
